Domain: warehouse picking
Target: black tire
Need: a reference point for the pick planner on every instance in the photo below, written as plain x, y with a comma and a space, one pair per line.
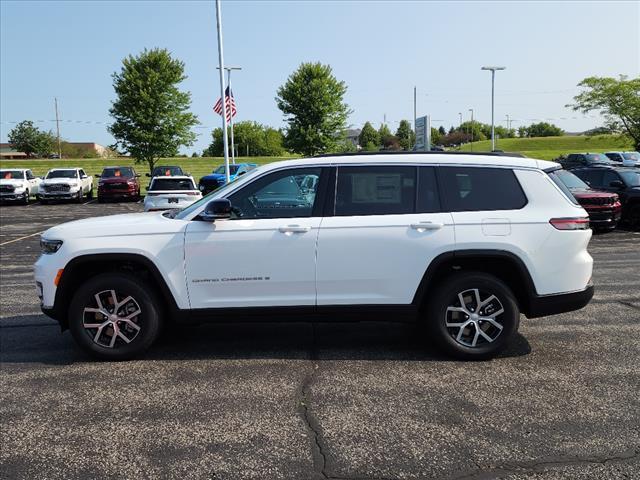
447, 295
43, 201
100, 199
149, 320
90, 194
79, 197
25, 200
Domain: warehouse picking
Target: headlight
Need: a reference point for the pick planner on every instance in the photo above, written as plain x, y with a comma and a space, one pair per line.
74, 187
49, 246
19, 189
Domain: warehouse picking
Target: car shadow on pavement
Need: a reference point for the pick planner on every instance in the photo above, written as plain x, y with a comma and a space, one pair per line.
42, 342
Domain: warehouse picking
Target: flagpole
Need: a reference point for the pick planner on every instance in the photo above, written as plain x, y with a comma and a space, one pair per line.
233, 148
225, 140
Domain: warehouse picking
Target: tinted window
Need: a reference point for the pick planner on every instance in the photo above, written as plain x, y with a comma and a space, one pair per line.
161, 184
12, 174
597, 158
610, 177
631, 179
428, 200
468, 189
62, 174
221, 169
30, 175
166, 171
566, 180
279, 195
375, 190
592, 177
117, 172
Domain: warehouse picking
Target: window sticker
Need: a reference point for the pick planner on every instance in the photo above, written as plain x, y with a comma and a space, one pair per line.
376, 188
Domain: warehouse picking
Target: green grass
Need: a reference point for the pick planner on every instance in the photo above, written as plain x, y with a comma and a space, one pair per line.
548, 148
197, 167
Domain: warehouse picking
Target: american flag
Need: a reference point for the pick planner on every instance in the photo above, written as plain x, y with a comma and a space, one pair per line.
231, 105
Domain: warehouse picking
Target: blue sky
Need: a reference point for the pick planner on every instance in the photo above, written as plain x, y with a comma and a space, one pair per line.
380, 49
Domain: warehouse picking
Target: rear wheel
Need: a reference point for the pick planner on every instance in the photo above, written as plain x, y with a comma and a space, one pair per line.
114, 316
472, 316
90, 194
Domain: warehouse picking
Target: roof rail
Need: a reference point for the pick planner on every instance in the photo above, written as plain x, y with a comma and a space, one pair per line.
402, 152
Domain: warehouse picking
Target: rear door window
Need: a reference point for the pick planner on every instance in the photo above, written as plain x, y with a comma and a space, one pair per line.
375, 190
472, 189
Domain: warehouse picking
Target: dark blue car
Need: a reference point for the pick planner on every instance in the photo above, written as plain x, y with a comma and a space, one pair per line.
216, 179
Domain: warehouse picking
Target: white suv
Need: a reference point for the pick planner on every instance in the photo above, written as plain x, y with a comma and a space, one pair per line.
462, 244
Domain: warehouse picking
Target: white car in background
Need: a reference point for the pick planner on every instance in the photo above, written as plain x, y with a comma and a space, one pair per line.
18, 184
167, 193
66, 184
628, 159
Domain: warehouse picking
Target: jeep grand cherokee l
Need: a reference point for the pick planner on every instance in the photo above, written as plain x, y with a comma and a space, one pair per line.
462, 244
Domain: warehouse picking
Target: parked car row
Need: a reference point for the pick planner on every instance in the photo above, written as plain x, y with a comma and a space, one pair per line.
607, 185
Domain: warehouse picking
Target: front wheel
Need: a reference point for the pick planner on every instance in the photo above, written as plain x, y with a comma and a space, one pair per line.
472, 316
90, 194
114, 316
79, 197
25, 200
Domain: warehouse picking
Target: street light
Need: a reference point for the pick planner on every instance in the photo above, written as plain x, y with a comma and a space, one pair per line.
493, 78
471, 128
228, 69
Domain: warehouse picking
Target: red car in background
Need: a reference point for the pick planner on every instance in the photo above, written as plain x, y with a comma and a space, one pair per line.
118, 183
604, 208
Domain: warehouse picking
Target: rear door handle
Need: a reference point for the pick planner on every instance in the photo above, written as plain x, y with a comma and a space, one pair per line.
293, 229
422, 226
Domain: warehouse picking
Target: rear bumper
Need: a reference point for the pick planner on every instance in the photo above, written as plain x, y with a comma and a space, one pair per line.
543, 305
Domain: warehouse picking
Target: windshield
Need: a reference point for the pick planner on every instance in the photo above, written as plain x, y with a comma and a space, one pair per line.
232, 169
631, 156
597, 158
12, 174
219, 193
161, 184
570, 180
62, 174
170, 171
631, 179
555, 176
117, 172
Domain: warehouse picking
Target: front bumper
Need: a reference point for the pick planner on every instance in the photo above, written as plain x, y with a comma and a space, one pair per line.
58, 195
543, 305
12, 196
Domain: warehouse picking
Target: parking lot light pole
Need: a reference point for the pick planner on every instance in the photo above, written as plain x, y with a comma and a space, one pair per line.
471, 128
233, 152
493, 80
225, 139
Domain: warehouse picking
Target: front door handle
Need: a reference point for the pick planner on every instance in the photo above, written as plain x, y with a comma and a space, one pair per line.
293, 229
422, 226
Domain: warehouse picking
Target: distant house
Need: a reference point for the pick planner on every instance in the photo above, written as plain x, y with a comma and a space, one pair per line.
7, 152
353, 134
69, 150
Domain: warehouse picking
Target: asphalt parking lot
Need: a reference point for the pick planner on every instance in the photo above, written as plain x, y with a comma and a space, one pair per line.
303, 401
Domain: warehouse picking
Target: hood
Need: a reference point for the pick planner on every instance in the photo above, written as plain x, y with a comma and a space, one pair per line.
12, 181
128, 224
58, 181
116, 179
214, 176
590, 193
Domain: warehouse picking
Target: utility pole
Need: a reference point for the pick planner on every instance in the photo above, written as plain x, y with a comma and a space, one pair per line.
225, 139
460, 126
55, 101
471, 128
493, 81
233, 152
415, 110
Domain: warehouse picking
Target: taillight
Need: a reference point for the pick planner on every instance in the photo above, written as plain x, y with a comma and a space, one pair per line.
575, 223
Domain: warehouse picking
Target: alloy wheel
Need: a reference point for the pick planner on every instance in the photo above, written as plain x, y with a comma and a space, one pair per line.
474, 318
114, 320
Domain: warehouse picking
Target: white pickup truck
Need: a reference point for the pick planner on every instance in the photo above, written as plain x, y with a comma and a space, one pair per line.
18, 184
66, 184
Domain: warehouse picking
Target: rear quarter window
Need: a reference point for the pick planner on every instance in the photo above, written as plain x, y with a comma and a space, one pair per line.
473, 189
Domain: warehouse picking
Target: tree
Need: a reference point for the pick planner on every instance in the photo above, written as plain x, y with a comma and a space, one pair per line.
24, 137
618, 100
474, 128
455, 138
369, 139
45, 143
442, 131
384, 134
406, 135
150, 112
251, 139
541, 129
312, 102
195, 155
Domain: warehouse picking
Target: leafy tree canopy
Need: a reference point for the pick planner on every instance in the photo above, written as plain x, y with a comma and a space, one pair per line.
406, 135
151, 117
369, 137
542, 129
618, 100
312, 101
27, 138
251, 139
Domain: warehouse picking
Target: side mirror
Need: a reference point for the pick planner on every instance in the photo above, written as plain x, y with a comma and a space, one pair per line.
148, 175
217, 209
616, 184
98, 175
241, 173
83, 177
137, 175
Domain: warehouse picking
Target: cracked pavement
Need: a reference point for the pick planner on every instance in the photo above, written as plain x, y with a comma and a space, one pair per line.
325, 401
